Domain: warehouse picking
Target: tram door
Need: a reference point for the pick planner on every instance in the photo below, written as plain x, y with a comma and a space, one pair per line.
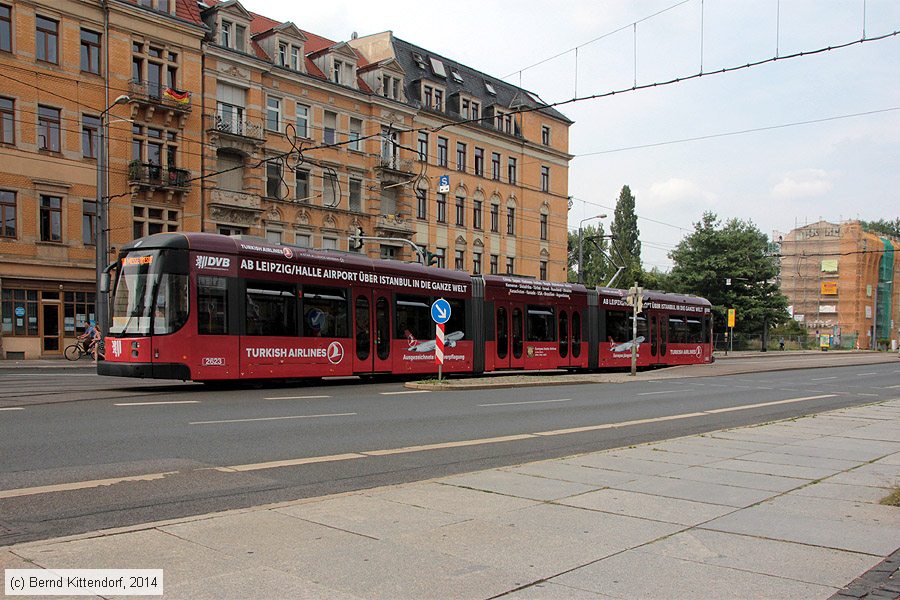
510, 335
372, 332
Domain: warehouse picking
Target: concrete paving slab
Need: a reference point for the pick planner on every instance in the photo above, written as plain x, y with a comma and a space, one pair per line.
893, 459
518, 485
591, 476
783, 456
711, 493
656, 453
8, 560
552, 591
756, 481
254, 582
886, 432
799, 562
636, 574
854, 449
647, 506
452, 499
864, 478
839, 510
723, 439
768, 468
366, 515
702, 447
838, 491
761, 436
769, 522
634, 466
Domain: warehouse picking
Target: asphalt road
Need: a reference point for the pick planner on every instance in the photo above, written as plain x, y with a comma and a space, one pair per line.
130, 452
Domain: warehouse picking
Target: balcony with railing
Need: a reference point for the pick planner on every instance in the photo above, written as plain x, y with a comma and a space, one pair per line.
155, 96
234, 132
393, 169
150, 176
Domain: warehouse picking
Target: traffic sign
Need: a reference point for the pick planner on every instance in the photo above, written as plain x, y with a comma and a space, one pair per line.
440, 311
731, 313
444, 184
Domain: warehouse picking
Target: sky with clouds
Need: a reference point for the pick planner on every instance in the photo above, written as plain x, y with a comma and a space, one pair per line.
748, 164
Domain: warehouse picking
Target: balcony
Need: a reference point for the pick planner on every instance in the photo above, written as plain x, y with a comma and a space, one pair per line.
392, 226
234, 133
393, 169
155, 96
150, 177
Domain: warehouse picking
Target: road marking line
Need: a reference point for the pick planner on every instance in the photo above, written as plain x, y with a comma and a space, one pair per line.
822, 378
442, 445
288, 463
620, 424
13, 408
528, 402
761, 404
80, 485
156, 403
868, 395
405, 392
891, 387
864, 374
663, 392
271, 418
296, 398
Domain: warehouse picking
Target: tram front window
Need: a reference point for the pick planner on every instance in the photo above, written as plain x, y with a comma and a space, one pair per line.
147, 299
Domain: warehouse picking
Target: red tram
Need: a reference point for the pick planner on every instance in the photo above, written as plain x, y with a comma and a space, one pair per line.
207, 307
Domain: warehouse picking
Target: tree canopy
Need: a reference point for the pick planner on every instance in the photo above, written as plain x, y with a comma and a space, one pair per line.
713, 255
626, 238
883, 227
596, 269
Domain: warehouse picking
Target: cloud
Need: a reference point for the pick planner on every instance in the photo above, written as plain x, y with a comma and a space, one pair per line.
807, 183
675, 190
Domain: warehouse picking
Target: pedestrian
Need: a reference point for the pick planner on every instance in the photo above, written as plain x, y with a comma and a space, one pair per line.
98, 338
781, 342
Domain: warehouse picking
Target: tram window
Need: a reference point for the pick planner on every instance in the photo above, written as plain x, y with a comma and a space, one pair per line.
694, 331
517, 333
502, 333
563, 334
618, 326
271, 308
382, 329
678, 331
171, 306
457, 320
363, 335
325, 312
212, 312
576, 334
541, 324
413, 320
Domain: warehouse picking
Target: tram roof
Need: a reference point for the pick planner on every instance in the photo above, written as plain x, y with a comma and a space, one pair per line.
657, 296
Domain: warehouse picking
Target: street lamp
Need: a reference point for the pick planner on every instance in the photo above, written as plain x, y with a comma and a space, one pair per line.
581, 245
102, 239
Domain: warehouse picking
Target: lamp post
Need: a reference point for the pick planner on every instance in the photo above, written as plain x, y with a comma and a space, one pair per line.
102, 239
581, 245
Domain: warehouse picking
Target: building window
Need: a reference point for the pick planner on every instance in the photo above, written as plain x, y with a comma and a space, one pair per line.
161, 68
240, 34
7, 121
459, 261
273, 179
461, 211
510, 265
545, 135
390, 87
79, 310
511, 221
427, 96
338, 76
442, 208
494, 264
7, 214
330, 191
355, 195
282, 55
148, 221
544, 227
543, 274
47, 39
273, 236
25, 302
495, 217
438, 99
479, 162
229, 230
476, 213
273, 114
545, 179
421, 203
330, 127
495, 166
48, 128
225, 38
355, 133
423, 146
90, 132
51, 218
441, 258
511, 170
90, 51
5, 28
442, 152
303, 121
304, 240
329, 243
88, 222
295, 58
460, 157
476, 263
302, 182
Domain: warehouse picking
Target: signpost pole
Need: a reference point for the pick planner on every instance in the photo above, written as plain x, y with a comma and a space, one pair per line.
439, 349
440, 314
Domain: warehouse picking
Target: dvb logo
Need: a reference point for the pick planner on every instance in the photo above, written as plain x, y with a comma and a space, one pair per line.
213, 262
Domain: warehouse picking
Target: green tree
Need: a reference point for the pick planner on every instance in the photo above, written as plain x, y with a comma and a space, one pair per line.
711, 257
626, 238
596, 265
883, 227
655, 280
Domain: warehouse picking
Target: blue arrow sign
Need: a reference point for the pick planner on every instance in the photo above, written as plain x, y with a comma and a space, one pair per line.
440, 311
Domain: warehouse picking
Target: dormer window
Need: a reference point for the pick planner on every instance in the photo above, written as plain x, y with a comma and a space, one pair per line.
337, 75
225, 37
240, 35
295, 58
437, 67
469, 109
456, 76
282, 55
390, 87
503, 121
432, 97
490, 89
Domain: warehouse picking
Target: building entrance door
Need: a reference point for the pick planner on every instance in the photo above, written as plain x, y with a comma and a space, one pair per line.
51, 332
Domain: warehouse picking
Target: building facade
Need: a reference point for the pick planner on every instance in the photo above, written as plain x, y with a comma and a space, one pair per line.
842, 281
239, 124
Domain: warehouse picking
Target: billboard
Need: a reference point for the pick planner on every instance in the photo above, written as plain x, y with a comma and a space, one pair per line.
829, 288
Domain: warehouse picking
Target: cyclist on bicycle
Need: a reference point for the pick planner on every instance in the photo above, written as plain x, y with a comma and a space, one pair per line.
88, 337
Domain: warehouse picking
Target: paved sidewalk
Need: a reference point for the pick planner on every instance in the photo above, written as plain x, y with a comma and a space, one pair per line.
783, 510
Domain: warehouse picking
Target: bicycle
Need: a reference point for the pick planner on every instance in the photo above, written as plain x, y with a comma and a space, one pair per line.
75, 351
